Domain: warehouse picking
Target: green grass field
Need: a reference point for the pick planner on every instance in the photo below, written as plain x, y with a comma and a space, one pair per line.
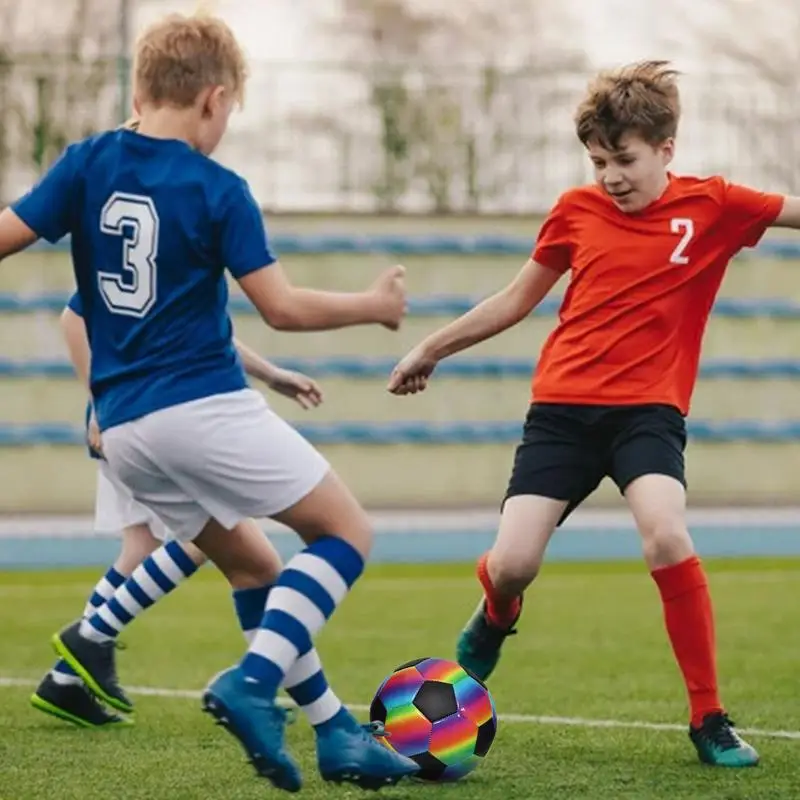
591, 648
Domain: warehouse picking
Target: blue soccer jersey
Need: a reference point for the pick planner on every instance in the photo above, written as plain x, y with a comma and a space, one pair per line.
154, 224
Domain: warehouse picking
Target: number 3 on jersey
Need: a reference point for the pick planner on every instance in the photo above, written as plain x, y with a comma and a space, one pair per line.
134, 218
684, 227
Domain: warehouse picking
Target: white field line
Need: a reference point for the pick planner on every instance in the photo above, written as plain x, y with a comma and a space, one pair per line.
518, 719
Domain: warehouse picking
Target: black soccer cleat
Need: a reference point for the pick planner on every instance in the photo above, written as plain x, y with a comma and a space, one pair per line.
718, 744
478, 646
74, 703
95, 662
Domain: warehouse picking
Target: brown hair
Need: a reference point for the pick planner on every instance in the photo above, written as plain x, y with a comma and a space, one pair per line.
640, 98
179, 56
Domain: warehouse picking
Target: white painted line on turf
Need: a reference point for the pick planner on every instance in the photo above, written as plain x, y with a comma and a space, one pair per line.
519, 719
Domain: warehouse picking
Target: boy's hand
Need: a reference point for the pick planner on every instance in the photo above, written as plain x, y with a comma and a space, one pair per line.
389, 291
412, 372
296, 386
93, 438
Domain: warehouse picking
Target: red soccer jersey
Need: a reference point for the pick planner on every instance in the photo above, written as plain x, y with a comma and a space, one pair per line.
641, 289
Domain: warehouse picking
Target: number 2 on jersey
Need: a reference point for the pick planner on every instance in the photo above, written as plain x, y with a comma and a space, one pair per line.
685, 227
134, 218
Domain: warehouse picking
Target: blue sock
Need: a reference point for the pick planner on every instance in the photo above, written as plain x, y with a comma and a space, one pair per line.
305, 681
159, 574
302, 600
62, 672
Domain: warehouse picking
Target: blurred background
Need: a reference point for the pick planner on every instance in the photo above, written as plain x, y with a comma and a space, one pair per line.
433, 133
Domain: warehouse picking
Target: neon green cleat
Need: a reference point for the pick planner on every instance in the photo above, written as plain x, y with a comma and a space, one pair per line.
718, 743
74, 703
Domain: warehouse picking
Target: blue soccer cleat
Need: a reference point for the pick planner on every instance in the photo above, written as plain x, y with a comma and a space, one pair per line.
257, 722
350, 753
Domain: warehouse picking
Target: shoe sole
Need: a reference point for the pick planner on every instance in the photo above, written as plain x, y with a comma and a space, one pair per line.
263, 767
93, 686
40, 704
354, 777
719, 765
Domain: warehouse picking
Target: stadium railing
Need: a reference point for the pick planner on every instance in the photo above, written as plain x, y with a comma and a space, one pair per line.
438, 244
435, 306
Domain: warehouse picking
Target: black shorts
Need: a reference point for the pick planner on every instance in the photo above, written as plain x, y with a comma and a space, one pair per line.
567, 450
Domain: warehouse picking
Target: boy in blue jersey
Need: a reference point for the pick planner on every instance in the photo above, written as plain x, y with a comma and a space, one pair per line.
154, 222
148, 568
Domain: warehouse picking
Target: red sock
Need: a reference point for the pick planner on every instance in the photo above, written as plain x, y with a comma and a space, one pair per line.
501, 610
690, 624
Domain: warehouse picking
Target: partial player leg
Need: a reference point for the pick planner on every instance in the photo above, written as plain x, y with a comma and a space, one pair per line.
505, 572
88, 645
305, 681
312, 584
62, 693
237, 703
647, 464
205, 466
658, 503
555, 467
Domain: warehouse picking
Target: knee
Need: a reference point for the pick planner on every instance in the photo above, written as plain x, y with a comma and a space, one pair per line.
259, 570
666, 542
359, 535
194, 553
138, 543
512, 575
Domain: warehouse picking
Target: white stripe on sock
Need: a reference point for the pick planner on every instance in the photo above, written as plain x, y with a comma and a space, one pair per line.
323, 708
63, 679
303, 669
275, 648
110, 618
147, 584
322, 572
104, 588
88, 631
297, 605
165, 563
128, 601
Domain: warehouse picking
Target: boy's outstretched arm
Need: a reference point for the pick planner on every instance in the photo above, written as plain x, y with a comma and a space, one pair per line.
15, 235
490, 317
789, 216
298, 387
287, 307
246, 254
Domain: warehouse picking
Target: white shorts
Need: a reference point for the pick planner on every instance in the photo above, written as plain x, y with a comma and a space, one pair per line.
116, 509
226, 457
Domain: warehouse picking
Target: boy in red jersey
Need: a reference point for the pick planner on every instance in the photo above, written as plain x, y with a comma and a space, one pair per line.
646, 251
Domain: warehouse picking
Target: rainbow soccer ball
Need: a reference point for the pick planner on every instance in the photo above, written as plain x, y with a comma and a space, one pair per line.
439, 715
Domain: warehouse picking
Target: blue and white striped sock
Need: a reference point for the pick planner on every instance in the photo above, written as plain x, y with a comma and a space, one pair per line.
302, 600
62, 673
161, 572
305, 681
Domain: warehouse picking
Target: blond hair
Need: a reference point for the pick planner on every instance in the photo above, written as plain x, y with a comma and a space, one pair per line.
179, 56
640, 98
